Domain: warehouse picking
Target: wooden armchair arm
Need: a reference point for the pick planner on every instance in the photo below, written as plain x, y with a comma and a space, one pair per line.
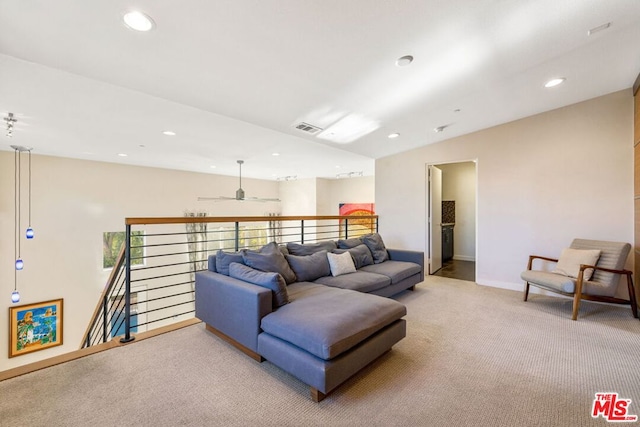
532, 257
608, 270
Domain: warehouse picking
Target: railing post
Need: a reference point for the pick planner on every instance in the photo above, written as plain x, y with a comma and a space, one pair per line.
346, 228
302, 231
237, 236
127, 288
104, 318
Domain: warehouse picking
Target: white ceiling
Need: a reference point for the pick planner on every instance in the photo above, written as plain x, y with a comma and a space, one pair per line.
232, 77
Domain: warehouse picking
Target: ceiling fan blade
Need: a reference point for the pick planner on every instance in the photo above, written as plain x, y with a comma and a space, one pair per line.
239, 193
215, 199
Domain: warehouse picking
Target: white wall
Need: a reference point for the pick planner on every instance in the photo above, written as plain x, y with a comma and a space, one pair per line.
459, 184
318, 196
542, 181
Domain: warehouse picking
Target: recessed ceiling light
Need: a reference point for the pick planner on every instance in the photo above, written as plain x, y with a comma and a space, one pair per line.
393, 135
122, 155
169, 132
403, 61
275, 154
555, 82
138, 21
212, 166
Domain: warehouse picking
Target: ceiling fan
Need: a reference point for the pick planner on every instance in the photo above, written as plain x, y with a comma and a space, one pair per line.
239, 193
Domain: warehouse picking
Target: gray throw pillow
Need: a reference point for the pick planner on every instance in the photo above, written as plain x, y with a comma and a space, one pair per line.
361, 255
349, 243
223, 259
310, 248
310, 267
271, 260
376, 246
273, 281
341, 264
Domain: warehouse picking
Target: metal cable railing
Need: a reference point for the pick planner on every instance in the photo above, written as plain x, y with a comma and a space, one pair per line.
152, 284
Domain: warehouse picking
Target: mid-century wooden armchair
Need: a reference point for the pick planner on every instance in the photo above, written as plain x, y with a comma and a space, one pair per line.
575, 278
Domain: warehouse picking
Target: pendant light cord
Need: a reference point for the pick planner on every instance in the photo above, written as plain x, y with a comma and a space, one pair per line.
15, 218
19, 203
29, 188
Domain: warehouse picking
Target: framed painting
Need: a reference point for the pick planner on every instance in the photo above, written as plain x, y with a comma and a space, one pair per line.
357, 226
34, 327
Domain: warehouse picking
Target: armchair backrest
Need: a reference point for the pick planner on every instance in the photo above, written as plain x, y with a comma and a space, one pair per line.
612, 255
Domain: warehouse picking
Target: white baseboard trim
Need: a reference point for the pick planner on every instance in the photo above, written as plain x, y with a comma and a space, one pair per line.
464, 258
518, 287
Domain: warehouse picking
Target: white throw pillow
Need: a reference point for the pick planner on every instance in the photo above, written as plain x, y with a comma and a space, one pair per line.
341, 263
570, 260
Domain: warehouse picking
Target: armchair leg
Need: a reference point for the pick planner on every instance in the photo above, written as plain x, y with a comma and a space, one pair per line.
526, 290
632, 296
576, 306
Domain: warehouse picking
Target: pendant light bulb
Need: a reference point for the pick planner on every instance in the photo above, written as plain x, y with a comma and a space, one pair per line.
15, 297
19, 264
29, 233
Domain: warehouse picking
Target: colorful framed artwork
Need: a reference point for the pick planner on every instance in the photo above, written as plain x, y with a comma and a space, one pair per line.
34, 327
357, 227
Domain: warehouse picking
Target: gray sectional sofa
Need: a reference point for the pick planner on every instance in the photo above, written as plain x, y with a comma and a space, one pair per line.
317, 310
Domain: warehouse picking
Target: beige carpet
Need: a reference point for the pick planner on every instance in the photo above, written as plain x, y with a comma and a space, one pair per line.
473, 356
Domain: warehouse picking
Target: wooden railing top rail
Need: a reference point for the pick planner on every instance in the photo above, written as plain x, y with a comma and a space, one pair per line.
208, 219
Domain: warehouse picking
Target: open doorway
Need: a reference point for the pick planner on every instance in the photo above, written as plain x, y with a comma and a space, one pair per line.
452, 220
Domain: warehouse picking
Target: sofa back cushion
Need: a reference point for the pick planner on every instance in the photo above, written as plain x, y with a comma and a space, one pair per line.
270, 259
223, 259
361, 255
349, 243
310, 267
376, 246
269, 280
310, 248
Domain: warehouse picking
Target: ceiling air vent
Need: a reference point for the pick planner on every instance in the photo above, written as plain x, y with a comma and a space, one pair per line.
306, 127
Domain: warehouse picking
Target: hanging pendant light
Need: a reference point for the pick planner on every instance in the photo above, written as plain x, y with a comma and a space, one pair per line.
15, 296
29, 233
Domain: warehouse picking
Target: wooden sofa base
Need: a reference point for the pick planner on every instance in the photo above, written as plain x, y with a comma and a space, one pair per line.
252, 354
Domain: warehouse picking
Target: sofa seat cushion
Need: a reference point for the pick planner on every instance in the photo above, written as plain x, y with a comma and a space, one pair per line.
327, 321
361, 281
397, 271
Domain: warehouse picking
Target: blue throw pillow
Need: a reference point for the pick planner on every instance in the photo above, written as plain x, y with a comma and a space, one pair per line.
376, 246
271, 260
273, 281
310, 267
223, 259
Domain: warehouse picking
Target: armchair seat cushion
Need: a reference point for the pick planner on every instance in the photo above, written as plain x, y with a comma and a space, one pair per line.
553, 281
561, 283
